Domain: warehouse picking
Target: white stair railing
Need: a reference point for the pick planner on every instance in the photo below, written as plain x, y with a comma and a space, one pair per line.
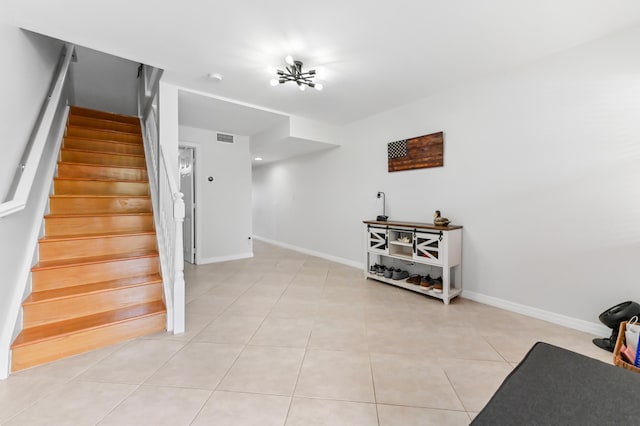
168, 205
26, 173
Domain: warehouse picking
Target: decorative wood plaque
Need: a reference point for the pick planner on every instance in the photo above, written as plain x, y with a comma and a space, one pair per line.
416, 153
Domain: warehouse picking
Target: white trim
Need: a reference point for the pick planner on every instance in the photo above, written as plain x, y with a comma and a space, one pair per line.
552, 317
336, 259
223, 258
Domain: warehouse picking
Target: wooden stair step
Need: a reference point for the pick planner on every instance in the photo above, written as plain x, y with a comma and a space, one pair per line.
94, 113
79, 204
103, 146
81, 186
112, 135
82, 300
53, 274
103, 123
78, 224
65, 263
104, 158
48, 342
99, 171
83, 246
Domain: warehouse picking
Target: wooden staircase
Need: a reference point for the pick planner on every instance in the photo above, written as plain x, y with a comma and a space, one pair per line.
98, 280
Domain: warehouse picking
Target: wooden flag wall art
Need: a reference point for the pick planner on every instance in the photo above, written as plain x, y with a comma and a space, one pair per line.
416, 153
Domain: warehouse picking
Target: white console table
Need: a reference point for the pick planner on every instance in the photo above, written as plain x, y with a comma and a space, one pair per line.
433, 250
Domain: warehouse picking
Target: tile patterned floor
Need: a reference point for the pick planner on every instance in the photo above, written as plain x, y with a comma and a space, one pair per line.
285, 338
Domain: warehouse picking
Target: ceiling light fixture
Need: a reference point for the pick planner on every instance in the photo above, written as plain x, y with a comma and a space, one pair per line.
258, 158
293, 72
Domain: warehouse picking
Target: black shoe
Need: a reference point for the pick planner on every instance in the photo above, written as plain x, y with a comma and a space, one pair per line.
605, 343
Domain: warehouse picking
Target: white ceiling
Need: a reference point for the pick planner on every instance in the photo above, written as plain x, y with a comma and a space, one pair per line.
375, 55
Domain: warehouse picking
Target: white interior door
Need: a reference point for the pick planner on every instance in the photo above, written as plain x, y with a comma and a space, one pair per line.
187, 172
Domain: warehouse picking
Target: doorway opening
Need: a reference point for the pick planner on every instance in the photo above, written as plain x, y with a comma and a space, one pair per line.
187, 163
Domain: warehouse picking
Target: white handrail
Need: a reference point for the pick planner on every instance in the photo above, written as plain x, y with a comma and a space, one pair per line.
168, 205
28, 170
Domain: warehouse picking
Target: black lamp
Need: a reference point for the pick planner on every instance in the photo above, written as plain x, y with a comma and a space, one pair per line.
383, 217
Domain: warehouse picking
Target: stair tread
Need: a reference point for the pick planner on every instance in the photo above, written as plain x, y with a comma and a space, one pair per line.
96, 122
73, 196
65, 292
62, 263
101, 152
89, 140
81, 112
83, 179
75, 163
97, 235
62, 328
69, 215
118, 132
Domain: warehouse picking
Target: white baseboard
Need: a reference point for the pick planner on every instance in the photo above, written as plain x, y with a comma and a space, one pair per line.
321, 255
552, 317
224, 258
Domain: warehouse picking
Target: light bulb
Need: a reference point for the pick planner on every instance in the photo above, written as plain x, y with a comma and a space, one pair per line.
274, 82
319, 86
301, 87
289, 59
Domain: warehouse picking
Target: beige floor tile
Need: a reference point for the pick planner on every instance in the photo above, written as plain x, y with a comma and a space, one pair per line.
511, 345
339, 335
198, 365
132, 363
19, 392
210, 304
471, 344
476, 381
293, 309
412, 380
321, 412
336, 375
151, 405
254, 306
230, 328
389, 337
339, 310
243, 409
391, 415
302, 294
194, 324
76, 403
229, 290
264, 369
284, 332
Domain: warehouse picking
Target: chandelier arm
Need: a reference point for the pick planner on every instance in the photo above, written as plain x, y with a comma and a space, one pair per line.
294, 73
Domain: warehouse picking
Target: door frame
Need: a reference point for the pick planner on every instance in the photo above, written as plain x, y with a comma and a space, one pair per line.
196, 192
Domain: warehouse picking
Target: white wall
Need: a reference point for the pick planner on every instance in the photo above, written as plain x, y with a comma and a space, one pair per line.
105, 82
30, 60
26, 78
541, 167
223, 207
